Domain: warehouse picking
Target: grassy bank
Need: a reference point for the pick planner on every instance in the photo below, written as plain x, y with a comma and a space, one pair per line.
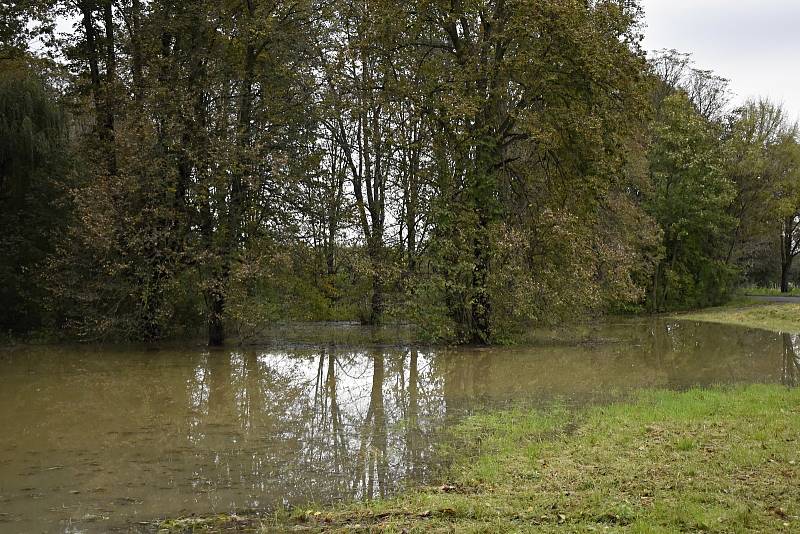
713, 461
773, 317
769, 292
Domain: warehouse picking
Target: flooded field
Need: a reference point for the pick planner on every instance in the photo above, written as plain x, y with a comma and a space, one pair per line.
100, 439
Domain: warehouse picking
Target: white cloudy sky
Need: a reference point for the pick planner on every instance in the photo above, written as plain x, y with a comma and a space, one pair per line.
754, 43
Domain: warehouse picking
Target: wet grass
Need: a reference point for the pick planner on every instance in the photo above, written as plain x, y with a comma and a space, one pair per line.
773, 317
699, 461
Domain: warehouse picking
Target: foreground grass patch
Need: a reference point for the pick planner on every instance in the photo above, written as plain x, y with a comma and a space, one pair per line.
699, 461
774, 317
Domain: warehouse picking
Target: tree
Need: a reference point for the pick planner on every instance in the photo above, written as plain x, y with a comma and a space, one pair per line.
472, 167
761, 148
533, 136
691, 195
33, 171
198, 130
358, 119
675, 71
785, 161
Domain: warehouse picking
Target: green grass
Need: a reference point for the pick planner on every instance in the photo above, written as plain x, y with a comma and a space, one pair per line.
773, 317
701, 461
769, 292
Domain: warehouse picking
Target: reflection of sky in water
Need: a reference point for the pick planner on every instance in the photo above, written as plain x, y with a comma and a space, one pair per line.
320, 419
138, 435
198, 396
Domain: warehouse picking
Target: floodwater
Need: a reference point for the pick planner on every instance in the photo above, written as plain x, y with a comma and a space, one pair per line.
103, 439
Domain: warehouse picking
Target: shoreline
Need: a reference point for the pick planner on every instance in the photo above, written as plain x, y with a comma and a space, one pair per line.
718, 460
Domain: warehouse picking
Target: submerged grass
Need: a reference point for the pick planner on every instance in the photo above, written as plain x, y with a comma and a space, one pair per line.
703, 460
773, 317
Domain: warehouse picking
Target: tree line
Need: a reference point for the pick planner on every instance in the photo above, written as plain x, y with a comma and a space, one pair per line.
472, 167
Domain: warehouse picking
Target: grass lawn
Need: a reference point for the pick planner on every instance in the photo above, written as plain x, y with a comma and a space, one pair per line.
770, 292
774, 317
723, 460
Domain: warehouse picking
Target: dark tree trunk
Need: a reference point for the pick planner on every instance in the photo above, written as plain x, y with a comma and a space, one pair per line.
216, 324
330, 246
411, 222
237, 202
102, 93
137, 55
377, 304
239, 187
89, 31
787, 252
480, 333
482, 195
785, 277
110, 95
376, 251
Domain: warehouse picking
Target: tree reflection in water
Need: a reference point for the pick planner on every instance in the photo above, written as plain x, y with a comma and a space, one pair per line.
312, 427
185, 431
791, 360
300, 426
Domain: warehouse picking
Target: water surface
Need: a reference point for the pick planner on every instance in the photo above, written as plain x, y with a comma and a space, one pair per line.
100, 439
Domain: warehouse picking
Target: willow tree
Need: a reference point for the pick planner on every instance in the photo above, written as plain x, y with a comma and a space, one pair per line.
33, 171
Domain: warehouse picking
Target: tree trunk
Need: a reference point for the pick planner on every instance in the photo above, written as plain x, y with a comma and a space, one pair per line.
480, 331
376, 251
786, 253
110, 94
377, 304
87, 21
791, 362
330, 245
411, 221
216, 324
482, 195
785, 267
137, 55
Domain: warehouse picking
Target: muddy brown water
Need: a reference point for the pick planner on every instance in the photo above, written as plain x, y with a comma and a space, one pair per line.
99, 439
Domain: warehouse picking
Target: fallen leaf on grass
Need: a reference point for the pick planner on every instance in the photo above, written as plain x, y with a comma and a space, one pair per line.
780, 512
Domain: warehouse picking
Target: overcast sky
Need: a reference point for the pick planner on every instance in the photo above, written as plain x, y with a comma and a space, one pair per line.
754, 43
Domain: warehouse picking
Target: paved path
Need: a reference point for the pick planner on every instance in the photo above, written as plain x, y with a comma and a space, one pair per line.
777, 300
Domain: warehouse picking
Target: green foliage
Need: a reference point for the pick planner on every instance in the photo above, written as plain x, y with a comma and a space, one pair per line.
532, 155
428, 308
474, 168
33, 167
690, 200
763, 160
